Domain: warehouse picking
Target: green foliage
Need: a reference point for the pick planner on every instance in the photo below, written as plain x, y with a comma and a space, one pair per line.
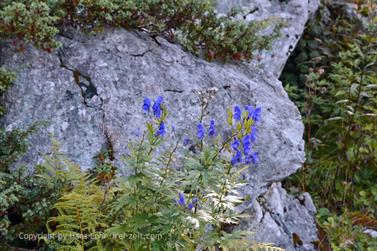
346, 142
336, 94
25, 203
6, 79
13, 145
194, 23
29, 22
26, 198
344, 233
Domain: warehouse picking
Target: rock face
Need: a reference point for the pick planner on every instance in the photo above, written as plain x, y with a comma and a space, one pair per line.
295, 14
92, 89
285, 219
117, 70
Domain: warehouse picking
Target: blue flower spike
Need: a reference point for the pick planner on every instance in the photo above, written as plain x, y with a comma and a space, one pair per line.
146, 105
246, 142
237, 113
201, 131
257, 114
181, 200
235, 144
255, 158
191, 205
253, 136
161, 130
157, 107
237, 158
248, 159
212, 129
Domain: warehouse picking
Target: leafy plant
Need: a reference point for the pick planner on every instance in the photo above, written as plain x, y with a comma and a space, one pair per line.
165, 202
344, 232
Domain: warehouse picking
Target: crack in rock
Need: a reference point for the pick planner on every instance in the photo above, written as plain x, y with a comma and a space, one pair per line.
175, 91
87, 88
276, 218
141, 54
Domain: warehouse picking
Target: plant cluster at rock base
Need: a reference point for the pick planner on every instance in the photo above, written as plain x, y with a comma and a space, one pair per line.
336, 94
193, 23
165, 202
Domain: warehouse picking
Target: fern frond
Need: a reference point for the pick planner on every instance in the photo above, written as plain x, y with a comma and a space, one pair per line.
79, 218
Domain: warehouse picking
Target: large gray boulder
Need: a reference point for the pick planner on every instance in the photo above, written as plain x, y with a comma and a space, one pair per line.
92, 88
116, 70
294, 13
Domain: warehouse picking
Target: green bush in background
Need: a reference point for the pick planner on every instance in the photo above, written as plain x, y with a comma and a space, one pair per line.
335, 87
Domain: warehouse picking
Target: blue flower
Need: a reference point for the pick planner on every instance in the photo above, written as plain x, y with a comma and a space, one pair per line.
146, 105
190, 206
255, 158
248, 158
235, 144
237, 113
246, 142
161, 130
201, 131
253, 136
237, 158
186, 141
257, 114
212, 129
157, 107
159, 100
181, 200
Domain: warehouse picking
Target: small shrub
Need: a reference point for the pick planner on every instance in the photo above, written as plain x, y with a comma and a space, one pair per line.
6, 79
25, 198
194, 23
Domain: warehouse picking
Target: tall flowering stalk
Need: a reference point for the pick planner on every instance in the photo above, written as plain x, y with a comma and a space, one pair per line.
192, 199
